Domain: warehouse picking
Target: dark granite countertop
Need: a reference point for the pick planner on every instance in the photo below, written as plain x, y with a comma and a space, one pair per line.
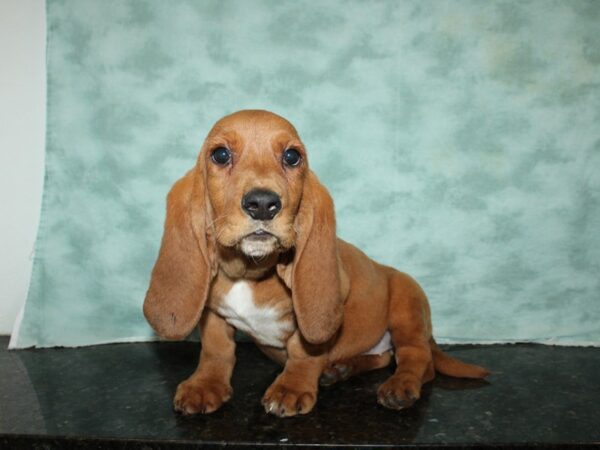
119, 396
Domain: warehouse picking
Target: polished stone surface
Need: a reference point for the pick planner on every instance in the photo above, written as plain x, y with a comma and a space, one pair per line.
119, 396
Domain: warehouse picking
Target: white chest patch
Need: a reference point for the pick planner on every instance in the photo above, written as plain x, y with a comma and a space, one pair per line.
263, 324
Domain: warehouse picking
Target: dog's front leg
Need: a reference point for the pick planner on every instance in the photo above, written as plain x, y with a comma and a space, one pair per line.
209, 386
294, 391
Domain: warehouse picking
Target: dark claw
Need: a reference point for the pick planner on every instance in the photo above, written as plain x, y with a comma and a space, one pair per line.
392, 401
327, 379
343, 370
412, 397
396, 402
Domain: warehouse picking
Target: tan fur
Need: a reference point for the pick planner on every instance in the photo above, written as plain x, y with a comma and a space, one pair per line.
341, 301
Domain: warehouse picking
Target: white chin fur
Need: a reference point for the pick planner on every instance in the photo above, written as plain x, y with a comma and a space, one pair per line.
257, 248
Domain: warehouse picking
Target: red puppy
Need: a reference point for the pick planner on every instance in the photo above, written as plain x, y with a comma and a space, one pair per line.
250, 243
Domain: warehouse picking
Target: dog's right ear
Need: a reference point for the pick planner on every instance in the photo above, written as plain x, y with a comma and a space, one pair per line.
183, 272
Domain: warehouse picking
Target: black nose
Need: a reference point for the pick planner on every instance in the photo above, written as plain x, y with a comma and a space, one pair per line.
261, 204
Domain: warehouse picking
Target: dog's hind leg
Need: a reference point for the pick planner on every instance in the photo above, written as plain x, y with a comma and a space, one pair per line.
346, 368
410, 329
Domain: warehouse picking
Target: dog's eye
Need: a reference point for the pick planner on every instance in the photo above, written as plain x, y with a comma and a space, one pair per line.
291, 157
221, 156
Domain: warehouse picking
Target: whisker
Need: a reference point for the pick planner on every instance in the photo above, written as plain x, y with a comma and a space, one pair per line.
220, 233
295, 228
224, 216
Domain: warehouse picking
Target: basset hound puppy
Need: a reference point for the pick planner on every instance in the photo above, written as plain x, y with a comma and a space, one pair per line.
250, 244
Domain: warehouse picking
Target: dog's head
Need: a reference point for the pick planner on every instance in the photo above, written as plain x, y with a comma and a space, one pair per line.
252, 191
255, 168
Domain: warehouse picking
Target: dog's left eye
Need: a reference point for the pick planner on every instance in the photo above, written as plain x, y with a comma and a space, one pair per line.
291, 157
221, 156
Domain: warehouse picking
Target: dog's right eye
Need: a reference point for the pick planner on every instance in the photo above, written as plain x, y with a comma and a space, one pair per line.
221, 156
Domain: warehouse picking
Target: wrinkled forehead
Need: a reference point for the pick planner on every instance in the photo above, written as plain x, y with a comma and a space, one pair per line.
253, 127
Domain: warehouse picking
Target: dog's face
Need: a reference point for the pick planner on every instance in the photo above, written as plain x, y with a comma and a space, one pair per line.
251, 191
255, 167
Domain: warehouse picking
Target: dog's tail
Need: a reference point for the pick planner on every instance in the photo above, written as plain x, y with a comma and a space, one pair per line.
453, 367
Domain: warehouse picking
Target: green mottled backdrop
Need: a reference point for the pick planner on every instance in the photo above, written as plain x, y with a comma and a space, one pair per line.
460, 140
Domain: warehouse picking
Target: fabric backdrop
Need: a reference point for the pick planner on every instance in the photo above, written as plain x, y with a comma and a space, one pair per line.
459, 139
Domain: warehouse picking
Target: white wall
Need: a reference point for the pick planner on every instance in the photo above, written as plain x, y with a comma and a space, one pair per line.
22, 132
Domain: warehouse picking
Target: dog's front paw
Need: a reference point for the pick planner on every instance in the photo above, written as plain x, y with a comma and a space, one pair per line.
200, 396
399, 391
285, 400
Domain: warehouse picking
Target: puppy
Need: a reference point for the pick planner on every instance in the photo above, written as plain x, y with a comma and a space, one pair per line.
250, 244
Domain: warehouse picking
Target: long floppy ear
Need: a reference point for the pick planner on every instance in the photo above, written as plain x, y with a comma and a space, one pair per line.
316, 275
183, 272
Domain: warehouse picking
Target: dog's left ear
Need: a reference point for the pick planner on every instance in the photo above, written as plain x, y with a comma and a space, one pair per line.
315, 273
